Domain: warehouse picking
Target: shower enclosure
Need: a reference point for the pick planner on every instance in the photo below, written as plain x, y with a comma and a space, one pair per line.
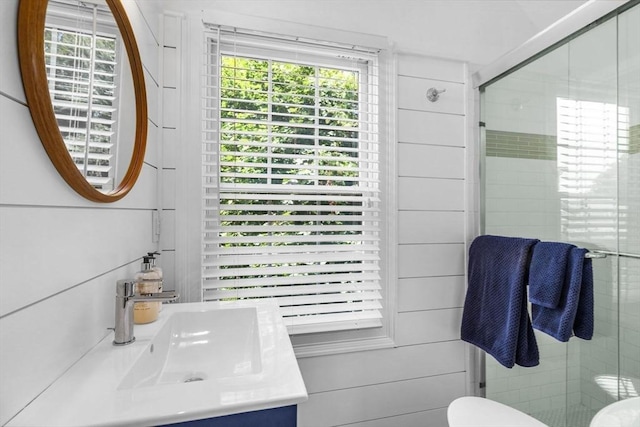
560, 137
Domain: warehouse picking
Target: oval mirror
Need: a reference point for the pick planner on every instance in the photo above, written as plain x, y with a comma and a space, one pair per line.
84, 85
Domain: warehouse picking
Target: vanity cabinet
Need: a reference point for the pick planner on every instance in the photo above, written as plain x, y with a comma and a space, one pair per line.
285, 416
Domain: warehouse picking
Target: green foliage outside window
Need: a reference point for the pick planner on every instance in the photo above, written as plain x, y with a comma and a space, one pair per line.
289, 124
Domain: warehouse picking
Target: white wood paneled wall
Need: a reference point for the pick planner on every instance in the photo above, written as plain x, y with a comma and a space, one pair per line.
61, 255
171, 95
412, 384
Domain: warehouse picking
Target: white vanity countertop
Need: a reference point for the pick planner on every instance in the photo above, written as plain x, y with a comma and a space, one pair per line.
90, 392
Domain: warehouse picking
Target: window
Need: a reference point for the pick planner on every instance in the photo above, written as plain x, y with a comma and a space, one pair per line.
82, 71
291, 179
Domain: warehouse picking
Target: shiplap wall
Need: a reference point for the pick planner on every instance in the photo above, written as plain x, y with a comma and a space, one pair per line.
412, 384
61, 255
171, 128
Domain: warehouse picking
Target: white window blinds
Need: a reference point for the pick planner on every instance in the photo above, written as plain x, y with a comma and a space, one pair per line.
81, 62
291, 179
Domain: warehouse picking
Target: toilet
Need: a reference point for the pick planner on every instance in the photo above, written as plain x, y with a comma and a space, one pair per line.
623, 413
471, 411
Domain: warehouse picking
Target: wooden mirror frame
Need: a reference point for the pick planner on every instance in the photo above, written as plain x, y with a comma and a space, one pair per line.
31, 24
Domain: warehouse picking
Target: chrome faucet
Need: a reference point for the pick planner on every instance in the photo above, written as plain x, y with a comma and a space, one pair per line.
125, 298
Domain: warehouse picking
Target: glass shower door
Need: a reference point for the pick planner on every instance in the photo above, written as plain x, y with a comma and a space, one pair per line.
561, 142
589, 124
523, 198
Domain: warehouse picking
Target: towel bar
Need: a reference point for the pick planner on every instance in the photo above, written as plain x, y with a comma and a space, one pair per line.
604, 254
595, 255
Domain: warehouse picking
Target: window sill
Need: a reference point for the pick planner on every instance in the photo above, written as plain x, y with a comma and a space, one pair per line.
329, 348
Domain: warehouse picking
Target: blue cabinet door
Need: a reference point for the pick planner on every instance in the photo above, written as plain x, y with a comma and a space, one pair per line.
285, 416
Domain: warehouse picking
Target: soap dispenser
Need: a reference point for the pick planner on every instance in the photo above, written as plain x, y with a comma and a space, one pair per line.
158, 270
147, 281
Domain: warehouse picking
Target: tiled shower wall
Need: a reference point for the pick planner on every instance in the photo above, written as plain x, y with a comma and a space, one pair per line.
616, 347
630, 267
521, 145
523, 199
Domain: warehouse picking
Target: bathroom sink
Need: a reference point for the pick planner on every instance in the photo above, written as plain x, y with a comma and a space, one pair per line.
197, 361
199, 346
624, 413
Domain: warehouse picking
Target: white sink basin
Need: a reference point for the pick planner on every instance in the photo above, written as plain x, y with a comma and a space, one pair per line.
624, 413
196, 361
199, 346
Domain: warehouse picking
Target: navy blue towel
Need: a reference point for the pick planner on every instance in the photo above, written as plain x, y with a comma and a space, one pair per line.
584, 321
547, 273
574, 312
495, 316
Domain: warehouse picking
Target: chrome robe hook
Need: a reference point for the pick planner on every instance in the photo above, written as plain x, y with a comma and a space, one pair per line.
433, 94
